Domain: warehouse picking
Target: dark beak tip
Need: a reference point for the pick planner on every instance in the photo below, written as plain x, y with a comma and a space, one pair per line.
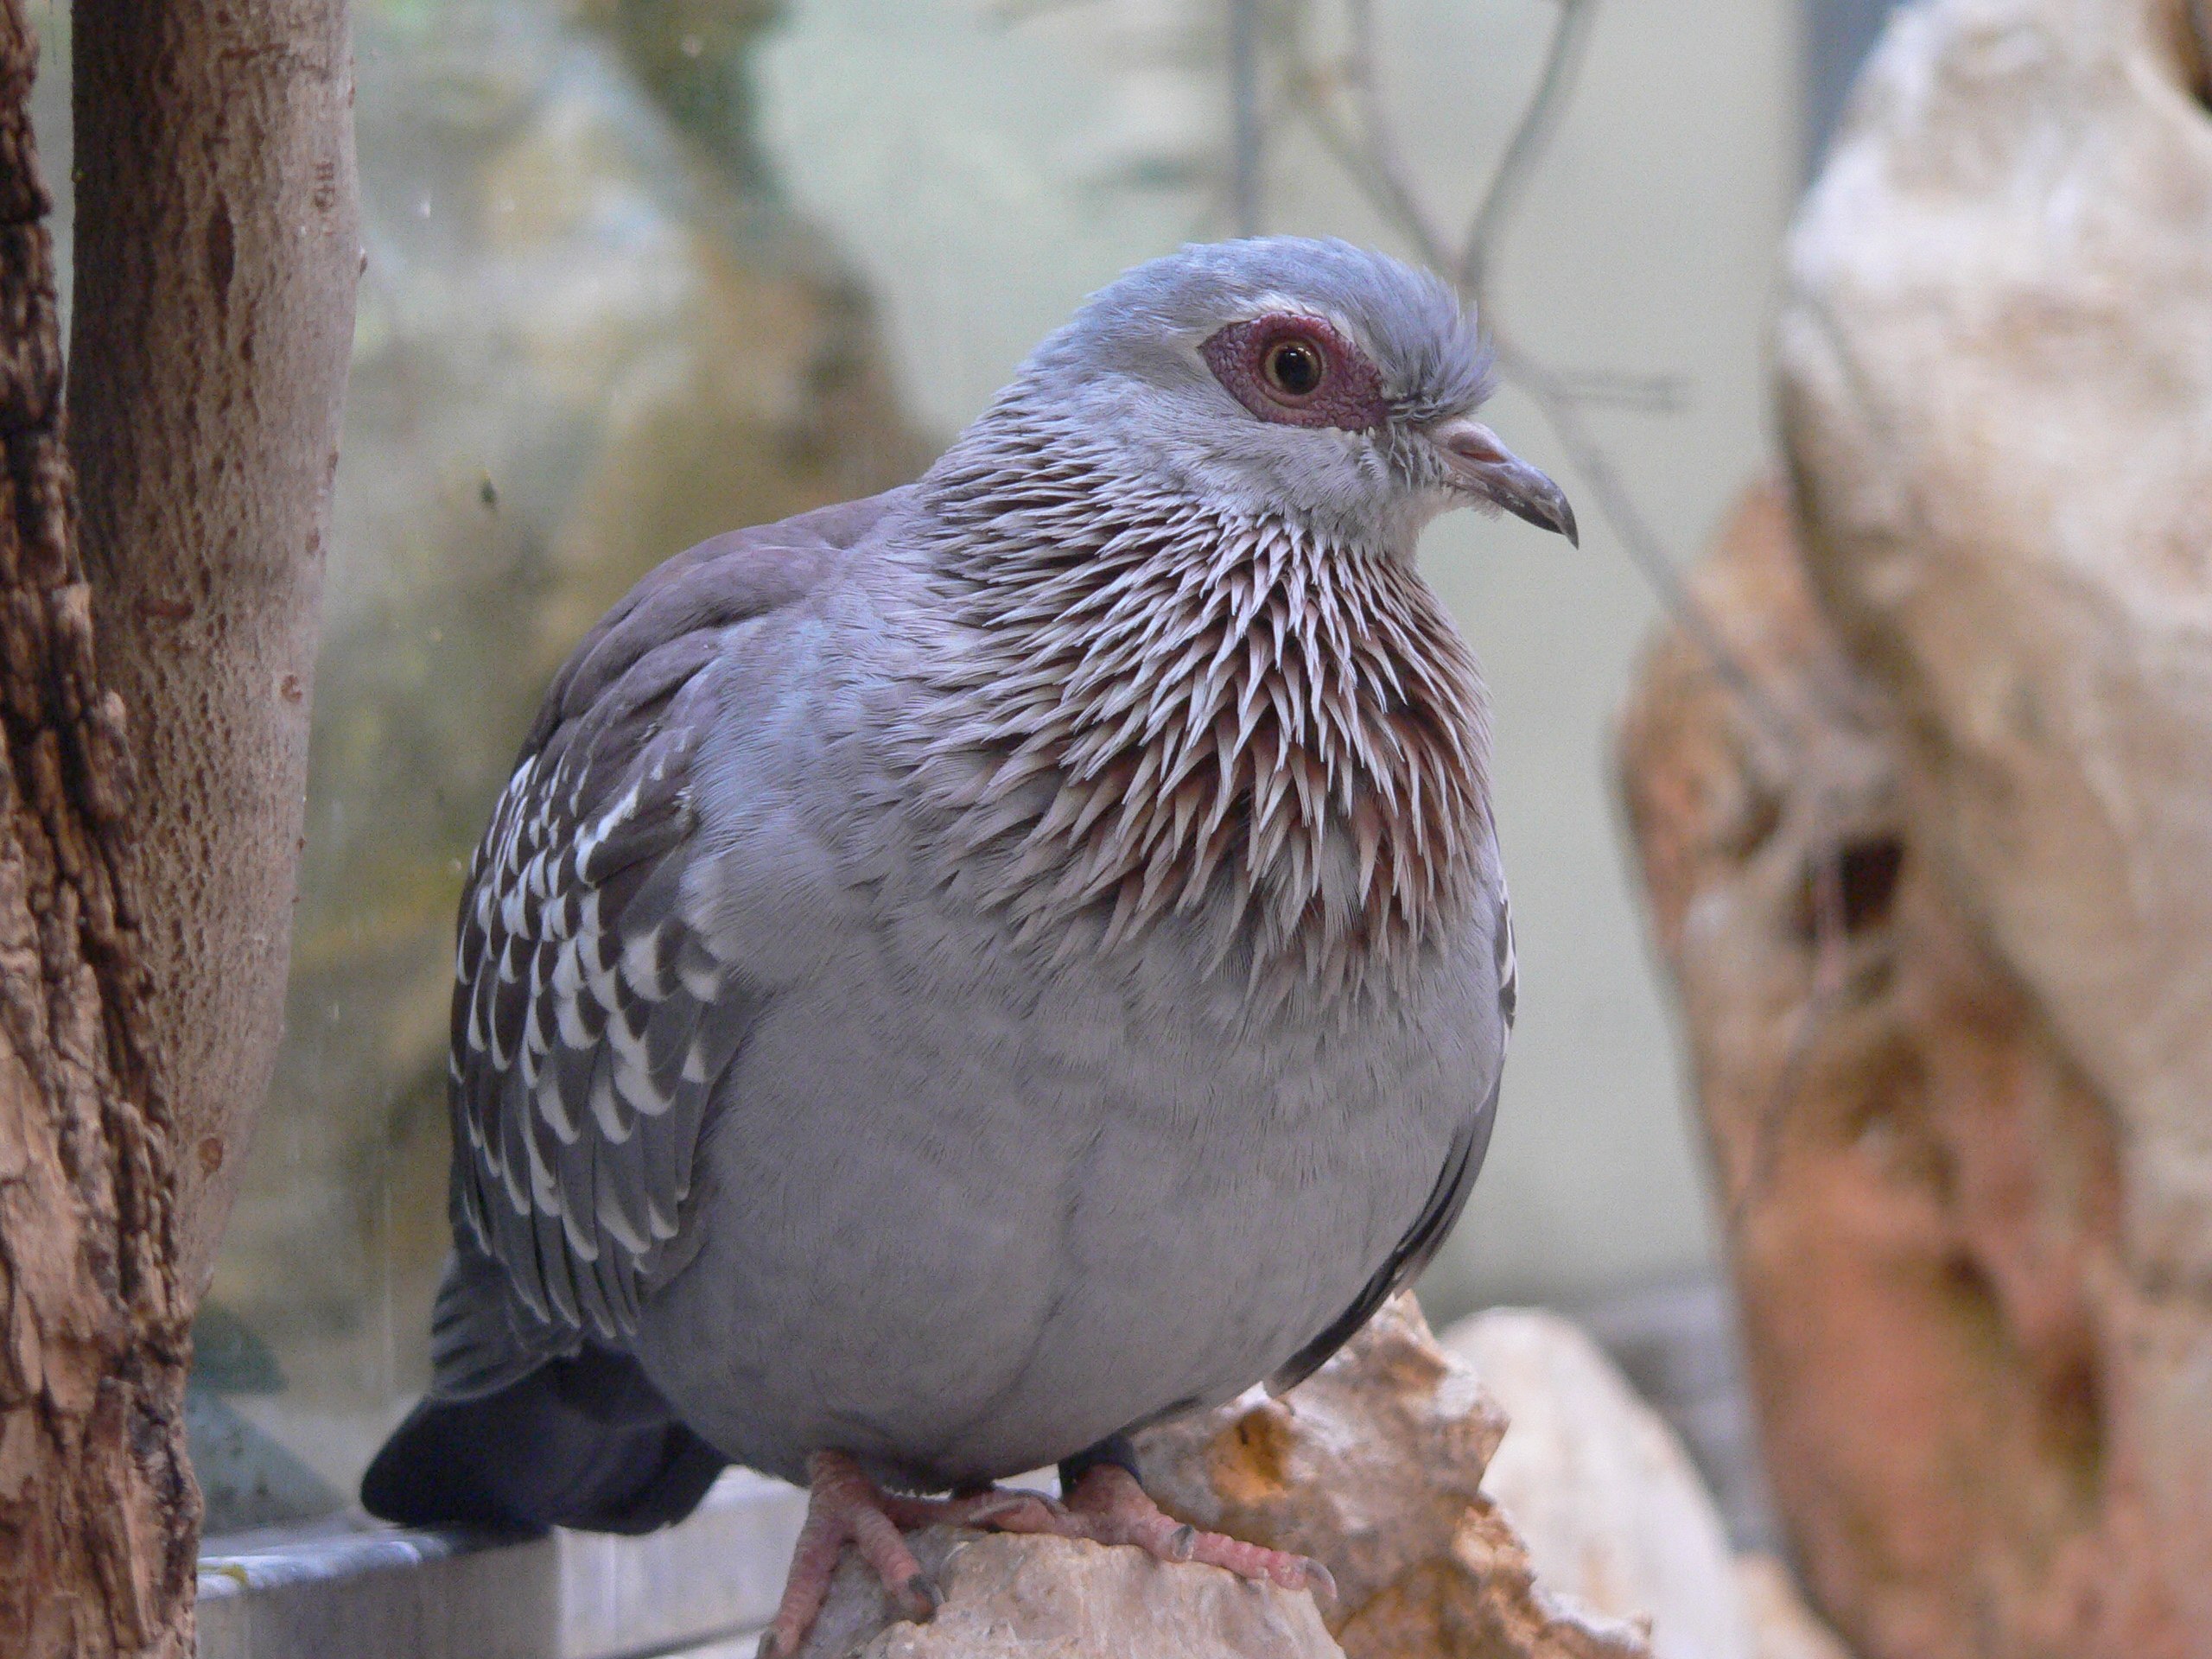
1486, 468
1546, 507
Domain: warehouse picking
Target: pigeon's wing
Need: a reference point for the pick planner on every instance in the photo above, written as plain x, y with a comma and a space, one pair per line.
591, 1021
1441, 1213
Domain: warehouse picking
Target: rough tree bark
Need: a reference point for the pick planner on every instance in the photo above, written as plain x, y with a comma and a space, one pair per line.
144, 909
97, 1508
218, 246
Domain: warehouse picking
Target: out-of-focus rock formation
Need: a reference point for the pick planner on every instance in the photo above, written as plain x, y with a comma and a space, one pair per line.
1782, 1626
1925, 1189
1013, 1597
1374, 1467
1922, 1189
589, 334
1610, 1506
1942, 918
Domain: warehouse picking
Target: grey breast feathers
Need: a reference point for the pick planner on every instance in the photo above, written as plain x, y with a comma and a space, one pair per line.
590, 1022
1462, 1163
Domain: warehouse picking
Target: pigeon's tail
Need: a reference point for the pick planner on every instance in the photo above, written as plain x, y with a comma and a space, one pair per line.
584, 1441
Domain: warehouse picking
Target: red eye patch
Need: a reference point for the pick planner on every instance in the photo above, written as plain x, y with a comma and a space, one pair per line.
1297, 371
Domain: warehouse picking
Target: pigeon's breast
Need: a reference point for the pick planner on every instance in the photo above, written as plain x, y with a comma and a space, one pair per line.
961, 1216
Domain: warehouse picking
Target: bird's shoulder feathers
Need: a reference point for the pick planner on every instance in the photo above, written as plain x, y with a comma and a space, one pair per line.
590, 1020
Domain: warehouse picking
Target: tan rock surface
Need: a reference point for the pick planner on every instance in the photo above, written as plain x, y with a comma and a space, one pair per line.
1783, 1627
1922, 1189
1374, 1465
1612, 1510
1031, 1597
1996, 364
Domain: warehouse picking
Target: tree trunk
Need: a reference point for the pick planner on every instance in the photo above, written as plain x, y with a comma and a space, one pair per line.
218, 246
98, 1510
142, 930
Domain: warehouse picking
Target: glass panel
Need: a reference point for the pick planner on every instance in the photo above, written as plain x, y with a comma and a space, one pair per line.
640, 271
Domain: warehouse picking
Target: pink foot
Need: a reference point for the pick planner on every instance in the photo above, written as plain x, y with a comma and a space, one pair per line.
844, 1506
1108, 1507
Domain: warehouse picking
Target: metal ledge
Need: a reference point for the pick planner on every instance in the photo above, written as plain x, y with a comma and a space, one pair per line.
365, 1592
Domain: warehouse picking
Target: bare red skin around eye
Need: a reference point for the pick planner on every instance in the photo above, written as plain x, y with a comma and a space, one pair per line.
1351, 392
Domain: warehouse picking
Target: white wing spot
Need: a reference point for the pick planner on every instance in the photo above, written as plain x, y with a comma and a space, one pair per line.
543, 1187
635, 1085
637, 969
607, 1110
555, 1110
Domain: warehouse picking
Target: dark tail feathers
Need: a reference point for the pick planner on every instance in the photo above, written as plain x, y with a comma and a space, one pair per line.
584, 1442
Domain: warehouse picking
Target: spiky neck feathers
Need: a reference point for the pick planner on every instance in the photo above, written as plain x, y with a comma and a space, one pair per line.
1159, 710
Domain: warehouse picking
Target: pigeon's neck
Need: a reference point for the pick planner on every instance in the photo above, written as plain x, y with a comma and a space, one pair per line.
1158, 711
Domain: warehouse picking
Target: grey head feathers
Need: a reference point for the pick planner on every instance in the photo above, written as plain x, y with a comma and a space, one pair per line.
1197, 675
1127, 376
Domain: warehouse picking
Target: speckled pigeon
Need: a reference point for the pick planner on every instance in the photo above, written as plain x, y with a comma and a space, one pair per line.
960, 975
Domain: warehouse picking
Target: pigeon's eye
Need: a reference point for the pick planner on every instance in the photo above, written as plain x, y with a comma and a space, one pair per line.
1294, 367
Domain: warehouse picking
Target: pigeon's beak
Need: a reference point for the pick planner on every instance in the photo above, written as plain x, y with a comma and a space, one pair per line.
1485, 466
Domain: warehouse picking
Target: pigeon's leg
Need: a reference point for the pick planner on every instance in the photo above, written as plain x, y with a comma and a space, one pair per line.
844, 1506
1105, 1504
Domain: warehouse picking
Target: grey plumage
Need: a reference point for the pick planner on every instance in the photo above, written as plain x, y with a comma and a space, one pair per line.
958, 974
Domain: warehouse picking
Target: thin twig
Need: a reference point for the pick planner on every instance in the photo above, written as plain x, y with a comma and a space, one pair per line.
1539, 119
1011, 13
1383, 174
1646, 551
1339, 140
1386, 169
1829, 978
1641, 394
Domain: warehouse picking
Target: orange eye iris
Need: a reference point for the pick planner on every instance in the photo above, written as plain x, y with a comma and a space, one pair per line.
1294, 367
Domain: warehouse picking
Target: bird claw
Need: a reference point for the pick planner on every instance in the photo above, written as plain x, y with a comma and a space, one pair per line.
921, 1597
1108, 1507
1319, 1580
844, 1506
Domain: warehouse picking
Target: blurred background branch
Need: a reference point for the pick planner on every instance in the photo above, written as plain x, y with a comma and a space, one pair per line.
1345, 105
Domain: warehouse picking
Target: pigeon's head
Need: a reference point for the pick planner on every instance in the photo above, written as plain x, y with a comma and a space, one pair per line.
1197, 673
1283, 376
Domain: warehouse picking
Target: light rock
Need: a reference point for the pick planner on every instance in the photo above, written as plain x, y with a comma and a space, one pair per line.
1374, 1467
1783, 1627
1979, 1315
1610, 1508
1921, 1188
1035, 1598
